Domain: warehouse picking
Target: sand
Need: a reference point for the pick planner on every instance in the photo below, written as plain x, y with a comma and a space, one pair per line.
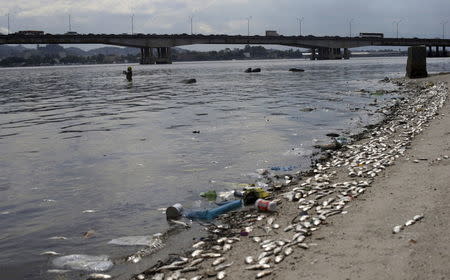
360, 244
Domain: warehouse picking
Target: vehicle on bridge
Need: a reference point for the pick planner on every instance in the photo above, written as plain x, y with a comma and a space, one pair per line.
71, 33
371, 35
271, 33
30, 32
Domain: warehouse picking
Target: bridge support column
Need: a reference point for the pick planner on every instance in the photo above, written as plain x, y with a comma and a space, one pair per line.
346, 53
164, 55
416, 66
444, 52
437, 51
329, 53
147, 56
313, 54
430, 51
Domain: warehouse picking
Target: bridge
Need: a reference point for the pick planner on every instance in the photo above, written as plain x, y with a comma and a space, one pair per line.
157, 48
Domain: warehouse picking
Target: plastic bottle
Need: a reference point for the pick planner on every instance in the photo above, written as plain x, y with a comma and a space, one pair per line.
266, 205
214, 213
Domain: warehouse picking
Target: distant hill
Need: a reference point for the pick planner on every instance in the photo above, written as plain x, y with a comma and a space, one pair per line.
6, 51
54, 49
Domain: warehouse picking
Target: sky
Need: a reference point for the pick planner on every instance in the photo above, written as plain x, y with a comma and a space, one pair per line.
417, 18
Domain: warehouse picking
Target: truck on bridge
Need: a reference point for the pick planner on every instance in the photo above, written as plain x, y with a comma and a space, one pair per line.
30, 32
271, 33
371, 35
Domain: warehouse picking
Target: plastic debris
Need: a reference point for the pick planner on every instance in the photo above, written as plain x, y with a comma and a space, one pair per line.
214, 213
136, 240
84, 262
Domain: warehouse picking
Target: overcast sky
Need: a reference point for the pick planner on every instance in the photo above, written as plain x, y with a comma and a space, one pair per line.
419, 18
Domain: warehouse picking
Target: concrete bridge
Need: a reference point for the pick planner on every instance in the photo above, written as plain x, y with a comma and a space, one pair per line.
157, 48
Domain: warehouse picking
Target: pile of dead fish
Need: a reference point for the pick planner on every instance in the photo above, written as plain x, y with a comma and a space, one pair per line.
335, 183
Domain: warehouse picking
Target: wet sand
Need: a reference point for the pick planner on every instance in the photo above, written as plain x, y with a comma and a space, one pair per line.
358, 243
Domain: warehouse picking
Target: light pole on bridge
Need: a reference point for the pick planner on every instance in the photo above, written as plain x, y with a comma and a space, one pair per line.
300, 20
191, 18
132, 24
443, 28
350, 27
248, 25
70, 24
397, 23
8, 22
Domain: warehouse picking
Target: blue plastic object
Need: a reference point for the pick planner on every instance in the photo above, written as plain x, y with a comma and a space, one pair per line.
211, 214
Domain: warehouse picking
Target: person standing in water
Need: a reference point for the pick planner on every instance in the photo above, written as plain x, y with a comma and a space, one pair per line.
129, 74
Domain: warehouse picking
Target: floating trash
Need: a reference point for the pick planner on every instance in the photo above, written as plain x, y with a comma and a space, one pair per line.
148, 240
84, 262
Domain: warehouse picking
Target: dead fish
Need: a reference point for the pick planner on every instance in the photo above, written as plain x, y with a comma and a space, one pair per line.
181, 261
418, 218
276, 226
263, 274
257, 239
180, 223
226, 247
175, 275
216, 248
288, 228
280, 243
218, 261
249, 260
277, 250
198, 277
223, 266
140, 277
169, 267
288, 251
221, 240
211, 255
49, 253
196, 261
279, 258
159, 276
397, 229
198, 244
303, 246
99, 276
270, 221
89, 211
189, 269
264, 260
409, 223
258, 267
221, 275
134, 259
196, 253
58, 238
57, 271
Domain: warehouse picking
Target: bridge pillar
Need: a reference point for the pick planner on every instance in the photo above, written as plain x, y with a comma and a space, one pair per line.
147, 56
416, 66
313, 54
346, 53
444, 52
430, 51
164, 55
437, 51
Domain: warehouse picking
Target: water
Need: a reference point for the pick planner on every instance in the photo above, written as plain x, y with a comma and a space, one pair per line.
82, 138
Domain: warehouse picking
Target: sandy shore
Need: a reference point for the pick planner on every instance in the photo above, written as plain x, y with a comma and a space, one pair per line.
397, 171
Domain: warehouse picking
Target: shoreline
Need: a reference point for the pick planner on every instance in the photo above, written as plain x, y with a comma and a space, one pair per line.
335, 189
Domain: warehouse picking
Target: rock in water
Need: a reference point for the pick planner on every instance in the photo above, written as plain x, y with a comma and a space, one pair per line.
189, 81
